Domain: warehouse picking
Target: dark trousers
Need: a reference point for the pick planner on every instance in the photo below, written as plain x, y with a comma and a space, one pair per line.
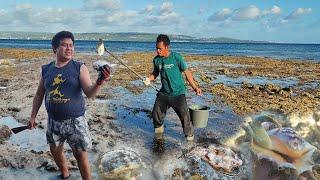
179, 105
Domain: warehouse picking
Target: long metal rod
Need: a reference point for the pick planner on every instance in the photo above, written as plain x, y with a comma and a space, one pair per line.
118, 59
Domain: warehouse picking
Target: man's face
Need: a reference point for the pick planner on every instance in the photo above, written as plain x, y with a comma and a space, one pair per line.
162, 50
65, 50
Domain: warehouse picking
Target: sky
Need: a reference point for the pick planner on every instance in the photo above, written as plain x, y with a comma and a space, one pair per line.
289, 21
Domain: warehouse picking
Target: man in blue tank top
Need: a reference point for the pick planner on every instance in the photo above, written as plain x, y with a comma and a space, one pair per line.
171, 66
62, 83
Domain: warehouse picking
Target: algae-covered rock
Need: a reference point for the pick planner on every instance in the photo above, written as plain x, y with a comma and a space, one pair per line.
121, 164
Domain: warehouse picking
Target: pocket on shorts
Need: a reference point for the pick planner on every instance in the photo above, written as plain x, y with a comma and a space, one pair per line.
81, 137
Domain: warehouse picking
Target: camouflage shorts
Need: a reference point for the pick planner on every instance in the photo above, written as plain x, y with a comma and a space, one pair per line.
75, 131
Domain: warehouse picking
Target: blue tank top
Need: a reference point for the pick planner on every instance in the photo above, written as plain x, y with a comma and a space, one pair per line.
63, 92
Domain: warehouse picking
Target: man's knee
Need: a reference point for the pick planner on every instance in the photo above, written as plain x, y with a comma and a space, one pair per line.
56, 149
79, 154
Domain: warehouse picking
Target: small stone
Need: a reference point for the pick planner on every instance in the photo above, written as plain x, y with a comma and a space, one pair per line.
14, 109
5, 132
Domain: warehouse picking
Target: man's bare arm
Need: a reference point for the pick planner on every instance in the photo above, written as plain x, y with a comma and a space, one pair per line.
89, 89
191, 81
37, 101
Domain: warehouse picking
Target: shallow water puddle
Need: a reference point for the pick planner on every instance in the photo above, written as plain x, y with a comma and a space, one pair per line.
211, 64
134, 111
133, 114
238, 81
35, 140
310, 85
28, 139
255, 80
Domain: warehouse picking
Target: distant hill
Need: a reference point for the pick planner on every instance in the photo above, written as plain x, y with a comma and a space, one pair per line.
123, 36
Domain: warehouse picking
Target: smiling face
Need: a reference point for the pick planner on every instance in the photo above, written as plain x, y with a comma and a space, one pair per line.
162, 49
65, 50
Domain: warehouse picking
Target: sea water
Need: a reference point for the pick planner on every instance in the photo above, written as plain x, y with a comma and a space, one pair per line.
281, 51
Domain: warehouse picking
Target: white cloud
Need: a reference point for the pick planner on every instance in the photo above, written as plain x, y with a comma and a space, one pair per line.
220, 15
226, 24
30, 17
165, 16
165, 19
275, 10
246, 13
201, 11
119, 18
23, 13
283, 21
2, 12
166, 7
63, 16
102, 5
298, 13
23, 7
5, 17
149, 8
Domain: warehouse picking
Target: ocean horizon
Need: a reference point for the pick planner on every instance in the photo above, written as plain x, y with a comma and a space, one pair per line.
281, 51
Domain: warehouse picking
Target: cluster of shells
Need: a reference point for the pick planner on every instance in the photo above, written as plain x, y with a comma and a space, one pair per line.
219, 157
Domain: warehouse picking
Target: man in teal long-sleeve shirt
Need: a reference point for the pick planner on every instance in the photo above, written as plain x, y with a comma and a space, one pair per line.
171, 67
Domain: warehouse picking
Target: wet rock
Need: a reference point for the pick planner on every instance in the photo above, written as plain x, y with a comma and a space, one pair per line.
97, 120
256, 87
285, 93
287, 89
122, 163
247, 85
206, 79
316, 116
6, 62
196, 176
5, 163
49, 166
111, 143
218, 111
223, 70
308, 95
36, 152
4, 82
5, 133
271, 88
177, 174
40, 126
74, 162
110, 117
14, 109
252, 73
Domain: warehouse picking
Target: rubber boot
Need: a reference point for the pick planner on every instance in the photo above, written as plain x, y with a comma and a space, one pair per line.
159, 130
190, 138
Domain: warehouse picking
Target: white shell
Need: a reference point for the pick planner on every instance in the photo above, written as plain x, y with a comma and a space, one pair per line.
218, 156
100, 48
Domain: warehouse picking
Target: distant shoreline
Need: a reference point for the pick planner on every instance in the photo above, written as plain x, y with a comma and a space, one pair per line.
149, 41
120, 36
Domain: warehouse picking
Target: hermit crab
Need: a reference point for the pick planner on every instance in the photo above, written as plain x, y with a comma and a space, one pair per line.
281, 145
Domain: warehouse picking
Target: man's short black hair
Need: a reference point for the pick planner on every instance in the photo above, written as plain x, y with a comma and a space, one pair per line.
163, 38
59, 36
